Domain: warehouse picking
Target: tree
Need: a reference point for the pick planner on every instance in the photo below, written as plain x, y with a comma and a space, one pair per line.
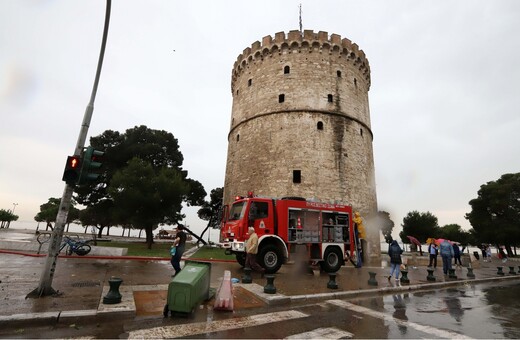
210, 210
454, 232
495, 213
7, 216
49, 211
160, 150
98, 216
419, 225
146, 197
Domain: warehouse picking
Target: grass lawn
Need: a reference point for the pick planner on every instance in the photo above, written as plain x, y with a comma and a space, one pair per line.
162, 249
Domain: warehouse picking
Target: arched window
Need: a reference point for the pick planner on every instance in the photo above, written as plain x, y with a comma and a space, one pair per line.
286, 70
249, 82
281, 98
338, 73
329, 98
319, 126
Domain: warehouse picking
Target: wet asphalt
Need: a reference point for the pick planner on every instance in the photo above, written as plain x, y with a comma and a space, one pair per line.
82, 283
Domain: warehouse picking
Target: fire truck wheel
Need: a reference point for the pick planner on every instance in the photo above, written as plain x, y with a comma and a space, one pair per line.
332, 260
270, 258
241, 258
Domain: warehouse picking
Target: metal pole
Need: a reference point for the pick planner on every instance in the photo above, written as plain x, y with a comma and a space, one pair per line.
45, 286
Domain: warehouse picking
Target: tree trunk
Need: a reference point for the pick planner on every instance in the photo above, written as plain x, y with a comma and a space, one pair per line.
149, 237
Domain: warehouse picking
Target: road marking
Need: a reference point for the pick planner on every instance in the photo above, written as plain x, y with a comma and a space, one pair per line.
323, 333
181, 331
432, 331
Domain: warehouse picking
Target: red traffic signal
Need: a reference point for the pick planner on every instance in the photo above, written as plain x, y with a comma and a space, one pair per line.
72, 170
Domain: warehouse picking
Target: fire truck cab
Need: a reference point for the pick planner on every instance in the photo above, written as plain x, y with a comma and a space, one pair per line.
284, 225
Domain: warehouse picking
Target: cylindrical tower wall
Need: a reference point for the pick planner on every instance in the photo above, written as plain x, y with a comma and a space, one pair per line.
300, 123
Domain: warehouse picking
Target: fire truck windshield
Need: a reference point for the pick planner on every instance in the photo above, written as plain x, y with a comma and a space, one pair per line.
237, 211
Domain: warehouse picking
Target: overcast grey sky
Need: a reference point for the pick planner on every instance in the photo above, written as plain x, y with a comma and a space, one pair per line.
444, 98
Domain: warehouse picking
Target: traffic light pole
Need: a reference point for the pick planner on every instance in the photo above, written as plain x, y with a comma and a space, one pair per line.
45, 286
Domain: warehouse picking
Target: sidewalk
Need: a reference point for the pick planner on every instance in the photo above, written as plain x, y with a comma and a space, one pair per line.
82, 282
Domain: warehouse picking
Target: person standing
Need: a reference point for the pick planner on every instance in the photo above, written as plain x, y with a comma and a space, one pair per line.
180, 243
394, 251
446, 251
456, 255
433, 251
502, 254
488, 252
252, 250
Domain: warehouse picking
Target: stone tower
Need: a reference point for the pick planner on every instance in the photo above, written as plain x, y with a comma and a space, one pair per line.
300, 124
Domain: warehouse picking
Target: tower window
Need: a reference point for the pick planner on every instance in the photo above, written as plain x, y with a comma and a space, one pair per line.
249, 82
237, 92
338, 73
238, 137
329, 98
355, 82
361, 132
297, 176
286, 70
281, 98
319, 126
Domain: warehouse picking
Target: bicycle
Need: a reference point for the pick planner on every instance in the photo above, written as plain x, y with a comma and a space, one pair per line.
78, 247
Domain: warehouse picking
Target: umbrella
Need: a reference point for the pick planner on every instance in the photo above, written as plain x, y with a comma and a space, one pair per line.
414, 240
440, 240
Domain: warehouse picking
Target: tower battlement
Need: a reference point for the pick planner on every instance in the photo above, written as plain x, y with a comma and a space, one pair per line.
309, 42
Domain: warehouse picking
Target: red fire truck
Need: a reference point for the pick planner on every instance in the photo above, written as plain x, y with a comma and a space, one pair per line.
284, 224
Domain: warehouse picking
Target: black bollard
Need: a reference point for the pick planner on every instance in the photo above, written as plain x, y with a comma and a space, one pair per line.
470, 273
246, 278
269, 287
430, 276
332, 281
404, 277
113, 296
499, 271
451, 273
512, 271
372, 280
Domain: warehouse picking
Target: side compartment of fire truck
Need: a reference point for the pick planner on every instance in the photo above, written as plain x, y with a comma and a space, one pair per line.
324, 233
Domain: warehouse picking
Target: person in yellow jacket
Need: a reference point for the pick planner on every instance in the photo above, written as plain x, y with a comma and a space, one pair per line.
360, 227
252, 250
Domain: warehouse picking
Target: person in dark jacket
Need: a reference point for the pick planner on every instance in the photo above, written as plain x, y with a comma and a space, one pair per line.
394, 251
180, 243
433, 251
456, 254
446, 251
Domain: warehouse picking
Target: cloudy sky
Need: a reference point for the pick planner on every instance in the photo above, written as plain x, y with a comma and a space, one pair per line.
444, 99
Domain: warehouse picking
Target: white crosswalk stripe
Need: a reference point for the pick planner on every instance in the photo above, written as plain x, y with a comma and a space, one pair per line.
323, 333
441, 333
180, 331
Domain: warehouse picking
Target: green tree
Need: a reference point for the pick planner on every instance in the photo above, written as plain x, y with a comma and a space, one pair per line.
210, 211
49, 211
419, 225
495, 213
146, 197
454, 232
98, 216
157, 148
7, 216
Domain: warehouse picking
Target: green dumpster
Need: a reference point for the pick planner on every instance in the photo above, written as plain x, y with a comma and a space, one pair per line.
188, 288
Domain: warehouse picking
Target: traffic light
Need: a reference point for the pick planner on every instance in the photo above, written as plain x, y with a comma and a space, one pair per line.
72, 171
89, 165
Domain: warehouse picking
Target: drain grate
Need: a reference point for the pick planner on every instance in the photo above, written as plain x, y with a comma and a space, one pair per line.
85, 284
